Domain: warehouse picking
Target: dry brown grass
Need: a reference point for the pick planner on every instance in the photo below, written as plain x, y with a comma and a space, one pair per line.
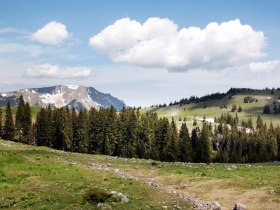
226, 192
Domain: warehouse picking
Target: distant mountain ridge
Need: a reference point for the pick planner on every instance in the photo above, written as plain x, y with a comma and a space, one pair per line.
77, 96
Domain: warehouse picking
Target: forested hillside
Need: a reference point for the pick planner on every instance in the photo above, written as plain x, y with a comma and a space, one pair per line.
131, 134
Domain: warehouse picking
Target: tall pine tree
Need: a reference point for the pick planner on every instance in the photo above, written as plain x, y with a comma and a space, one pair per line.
9, 128
20, 120
1, 122
206, 144
185, 146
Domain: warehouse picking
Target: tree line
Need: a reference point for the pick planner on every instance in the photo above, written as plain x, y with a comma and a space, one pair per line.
130, 134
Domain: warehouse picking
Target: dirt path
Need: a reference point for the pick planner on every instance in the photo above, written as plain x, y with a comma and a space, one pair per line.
196, 203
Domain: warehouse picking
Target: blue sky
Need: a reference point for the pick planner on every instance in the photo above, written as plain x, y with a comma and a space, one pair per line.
143, 52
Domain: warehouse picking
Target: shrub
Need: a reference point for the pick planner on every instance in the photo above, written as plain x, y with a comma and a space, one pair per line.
96, 195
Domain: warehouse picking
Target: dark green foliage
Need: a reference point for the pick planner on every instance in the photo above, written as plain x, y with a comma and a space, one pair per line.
9, 127
248, 99
185, 146
249, 123
239, 109
196, 153
275, 109
23, 124
130, 134
96, 195
205, 144
194, 122
171, 149
43, 128
1, 122
259, 122
27, 125
204, 106
233, 108
266, 109
20, 119
62, 136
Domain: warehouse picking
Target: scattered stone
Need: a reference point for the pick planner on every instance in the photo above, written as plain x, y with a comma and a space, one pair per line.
125, 199
216, 206
103, 206
239, 206
111, 158
248, 166
180, 186
233, 166
5, 145
123, 174
273, 192
122, 196
164, 207
152, 183
177, 207
101, 167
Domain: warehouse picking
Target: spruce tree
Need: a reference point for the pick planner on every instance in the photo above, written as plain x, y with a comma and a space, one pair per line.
266, 109
9, 129
82, 137
259, 122
236, 120
19, 123
206, 144
275, 109
62, 130
194, 122
1, 123
239, 109
95, 131
27, 125
233, 108
185, 146
44, 128
250, 123
195, 145
171, 149
162, 134
74, 124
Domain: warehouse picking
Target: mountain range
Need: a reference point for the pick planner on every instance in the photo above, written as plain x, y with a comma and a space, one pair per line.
77, 96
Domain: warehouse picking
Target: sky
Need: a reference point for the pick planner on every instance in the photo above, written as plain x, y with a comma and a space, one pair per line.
143, 52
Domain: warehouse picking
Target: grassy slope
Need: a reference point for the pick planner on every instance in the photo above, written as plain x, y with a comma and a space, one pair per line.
42, 178
213, 109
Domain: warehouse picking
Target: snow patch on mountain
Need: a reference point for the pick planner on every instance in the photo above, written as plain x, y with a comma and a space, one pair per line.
73, 87
79, 97
55, 99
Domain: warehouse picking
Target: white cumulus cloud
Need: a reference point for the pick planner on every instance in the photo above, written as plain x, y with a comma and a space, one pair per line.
264, 66
54, 71
160, 43
53, 33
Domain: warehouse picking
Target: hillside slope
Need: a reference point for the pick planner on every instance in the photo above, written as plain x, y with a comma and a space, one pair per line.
43, 178
215, 108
